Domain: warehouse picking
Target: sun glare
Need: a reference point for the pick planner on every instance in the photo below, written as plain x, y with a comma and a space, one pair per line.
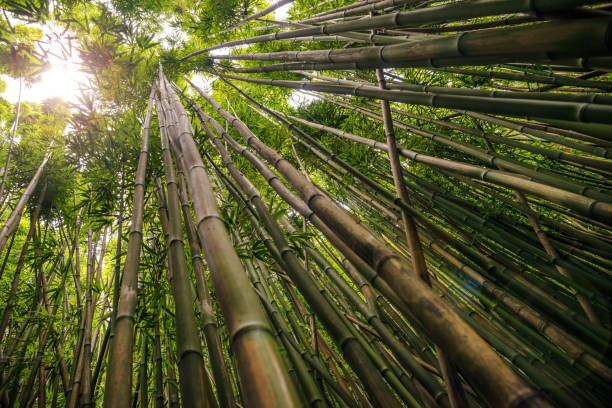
62, 79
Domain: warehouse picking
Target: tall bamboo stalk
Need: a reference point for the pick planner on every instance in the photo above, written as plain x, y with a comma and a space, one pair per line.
207, 316
196, 390
449, 372
12, 221
119, 376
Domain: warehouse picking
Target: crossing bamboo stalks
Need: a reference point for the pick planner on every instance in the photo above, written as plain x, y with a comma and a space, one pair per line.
478, 362
546, 152
461, 49
431, 15
552, 331
511, 107
520, 126
332, 160
497, 291
296, 202
257, 15
119, 377
449, 373
584, 205
556, 96
351, 348
275, 182
538, 174
263, 375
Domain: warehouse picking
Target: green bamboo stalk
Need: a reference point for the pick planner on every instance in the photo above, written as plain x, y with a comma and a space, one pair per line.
510, 107
119, 374
12, 222
196, 390
207, 316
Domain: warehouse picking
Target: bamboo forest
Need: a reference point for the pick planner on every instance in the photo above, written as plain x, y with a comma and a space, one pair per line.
305, 203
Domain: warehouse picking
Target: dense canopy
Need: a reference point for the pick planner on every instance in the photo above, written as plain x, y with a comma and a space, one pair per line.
372, 203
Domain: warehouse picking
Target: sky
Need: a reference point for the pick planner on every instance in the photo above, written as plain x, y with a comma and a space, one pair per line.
61, 79
64, 76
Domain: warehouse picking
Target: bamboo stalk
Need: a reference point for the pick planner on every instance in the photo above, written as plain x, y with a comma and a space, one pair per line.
119, 375
511, 107
207, 316
449, 372
12, 221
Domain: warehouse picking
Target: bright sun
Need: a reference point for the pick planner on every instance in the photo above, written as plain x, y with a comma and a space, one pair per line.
62, 79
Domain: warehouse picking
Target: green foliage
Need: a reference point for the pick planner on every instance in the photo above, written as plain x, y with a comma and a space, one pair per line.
96, 148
